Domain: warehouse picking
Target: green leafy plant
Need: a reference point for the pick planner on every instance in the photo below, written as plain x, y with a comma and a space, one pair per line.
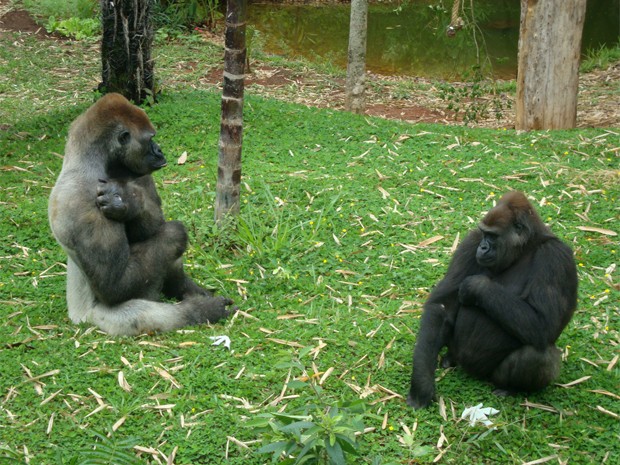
63, 8
104, 451
77, 28
194, 12
317, 432
600, 58
470, 101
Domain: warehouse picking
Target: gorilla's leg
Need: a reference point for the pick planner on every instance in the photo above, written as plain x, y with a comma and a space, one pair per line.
179, 286
145, 316
137, 316
448, 360
528, 369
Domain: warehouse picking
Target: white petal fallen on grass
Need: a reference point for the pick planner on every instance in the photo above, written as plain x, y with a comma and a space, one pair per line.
220, 340
479, 414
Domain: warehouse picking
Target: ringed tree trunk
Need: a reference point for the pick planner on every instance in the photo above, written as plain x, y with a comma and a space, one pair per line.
127, 67
356, 61
231, 126
548, 68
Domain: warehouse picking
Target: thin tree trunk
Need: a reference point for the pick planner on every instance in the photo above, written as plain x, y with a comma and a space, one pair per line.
548, 70
127, 67
231, 127
356, 65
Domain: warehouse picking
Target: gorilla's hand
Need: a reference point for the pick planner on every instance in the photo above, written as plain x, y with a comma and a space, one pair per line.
471, 289
110, 201
224, 307
421, 393
209, 309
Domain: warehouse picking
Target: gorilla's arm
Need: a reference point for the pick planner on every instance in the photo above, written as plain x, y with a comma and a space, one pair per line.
438, 321
537, 316
435, 331
134, 202
119, 271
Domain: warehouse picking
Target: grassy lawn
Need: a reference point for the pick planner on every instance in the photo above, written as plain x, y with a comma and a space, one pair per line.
346, 224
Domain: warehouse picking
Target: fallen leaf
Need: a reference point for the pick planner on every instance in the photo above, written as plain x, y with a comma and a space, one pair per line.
122, 382
607, 232
577, 381
182, 159
429, 241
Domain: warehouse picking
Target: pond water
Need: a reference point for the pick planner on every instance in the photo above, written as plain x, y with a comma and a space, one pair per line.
411, 40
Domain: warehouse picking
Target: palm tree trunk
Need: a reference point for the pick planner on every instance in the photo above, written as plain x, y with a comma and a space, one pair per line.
231, 127
127, 67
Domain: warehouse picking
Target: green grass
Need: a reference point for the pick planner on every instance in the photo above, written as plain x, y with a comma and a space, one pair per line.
600, 58
329, 255
64, 9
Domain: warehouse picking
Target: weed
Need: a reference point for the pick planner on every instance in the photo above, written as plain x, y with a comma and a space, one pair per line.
63, 9
600, 58
193, 12
104, 451
470, 100
319, 431
76, 28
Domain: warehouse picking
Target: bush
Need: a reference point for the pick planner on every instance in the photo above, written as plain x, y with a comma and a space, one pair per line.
63, 9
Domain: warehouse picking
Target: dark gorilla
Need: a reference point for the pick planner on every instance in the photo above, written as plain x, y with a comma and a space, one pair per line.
106, 214
509, 291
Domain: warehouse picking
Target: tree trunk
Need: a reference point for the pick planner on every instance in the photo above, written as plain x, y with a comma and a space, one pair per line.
127, 67
548, 71
231, 127
356, 65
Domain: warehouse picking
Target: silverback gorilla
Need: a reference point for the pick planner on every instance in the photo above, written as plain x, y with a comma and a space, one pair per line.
509, 291
105, 213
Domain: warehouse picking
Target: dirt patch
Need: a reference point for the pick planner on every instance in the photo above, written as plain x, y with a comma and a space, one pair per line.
20, 21
314, 90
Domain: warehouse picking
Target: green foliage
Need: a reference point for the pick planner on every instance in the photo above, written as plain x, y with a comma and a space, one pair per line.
312, 436
470, 100
105, 451
319, 431
76, 28
63, 9
190, 12
78, 19
600, 58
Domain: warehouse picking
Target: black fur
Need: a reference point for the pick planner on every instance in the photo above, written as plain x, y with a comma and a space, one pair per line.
509, 291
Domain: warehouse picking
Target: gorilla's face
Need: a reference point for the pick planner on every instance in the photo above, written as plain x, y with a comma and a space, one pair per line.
500, 246
139, 153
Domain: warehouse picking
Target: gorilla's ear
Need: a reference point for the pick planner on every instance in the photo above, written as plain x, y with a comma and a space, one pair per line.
523, 223
519, 227
124, 137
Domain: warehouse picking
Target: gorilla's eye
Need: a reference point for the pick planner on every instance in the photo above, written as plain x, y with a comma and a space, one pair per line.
124, 138
518, 228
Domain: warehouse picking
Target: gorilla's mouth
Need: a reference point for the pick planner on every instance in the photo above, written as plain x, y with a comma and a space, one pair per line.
485, 261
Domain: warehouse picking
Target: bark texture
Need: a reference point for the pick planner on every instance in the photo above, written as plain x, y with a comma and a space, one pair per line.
356, 65
548, 70
127, 67
231, 127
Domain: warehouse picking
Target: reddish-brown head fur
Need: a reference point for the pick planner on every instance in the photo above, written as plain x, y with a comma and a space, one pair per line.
512, 207
108, 113
114, 109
